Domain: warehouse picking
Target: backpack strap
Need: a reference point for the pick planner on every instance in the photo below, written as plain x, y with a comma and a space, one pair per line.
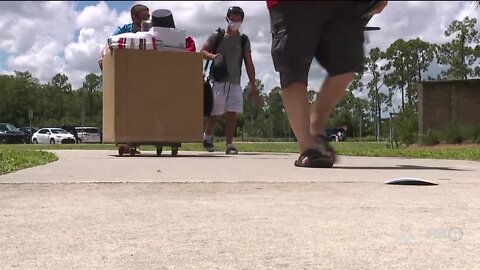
244, 39
218, 40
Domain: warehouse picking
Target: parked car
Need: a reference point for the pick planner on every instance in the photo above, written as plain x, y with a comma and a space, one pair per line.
89, 134
28, 132
10, 134
72, 130
53, 136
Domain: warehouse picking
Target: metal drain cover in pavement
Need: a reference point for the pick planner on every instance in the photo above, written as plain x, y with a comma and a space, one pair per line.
410, 182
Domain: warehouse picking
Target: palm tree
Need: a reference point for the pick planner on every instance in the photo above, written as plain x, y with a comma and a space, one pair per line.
476, 4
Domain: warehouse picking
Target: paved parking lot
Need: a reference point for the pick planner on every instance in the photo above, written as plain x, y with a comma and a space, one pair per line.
94, 210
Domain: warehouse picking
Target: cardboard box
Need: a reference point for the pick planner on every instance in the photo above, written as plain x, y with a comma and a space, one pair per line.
151, 96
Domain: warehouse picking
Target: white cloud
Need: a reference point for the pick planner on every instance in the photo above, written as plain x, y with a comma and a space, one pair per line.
35, 36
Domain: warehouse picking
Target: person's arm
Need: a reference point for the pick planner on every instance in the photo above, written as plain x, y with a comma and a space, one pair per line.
247, 57
207, 48
117, 31
206, 53
250, 71
100, 61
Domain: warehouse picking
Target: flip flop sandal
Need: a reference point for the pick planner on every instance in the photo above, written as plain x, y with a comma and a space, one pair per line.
322, 140
313, 158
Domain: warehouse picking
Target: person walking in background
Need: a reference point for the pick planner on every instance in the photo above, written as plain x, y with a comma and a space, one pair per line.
228, 49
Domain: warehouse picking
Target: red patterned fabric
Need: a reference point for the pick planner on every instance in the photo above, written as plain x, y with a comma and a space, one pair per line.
190, 45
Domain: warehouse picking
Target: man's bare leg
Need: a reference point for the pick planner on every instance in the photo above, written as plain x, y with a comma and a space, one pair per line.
230, 124
295, 102
332, 91
210, 123
207, 136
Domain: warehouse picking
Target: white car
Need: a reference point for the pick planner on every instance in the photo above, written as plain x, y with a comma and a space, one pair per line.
52, 136
88, 135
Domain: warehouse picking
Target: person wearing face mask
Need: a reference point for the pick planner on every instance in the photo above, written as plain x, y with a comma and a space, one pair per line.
232, 49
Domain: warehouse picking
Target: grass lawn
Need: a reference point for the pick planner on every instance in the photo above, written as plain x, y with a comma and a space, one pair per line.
12, 159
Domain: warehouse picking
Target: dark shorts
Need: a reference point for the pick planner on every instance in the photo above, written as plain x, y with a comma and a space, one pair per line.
330, 31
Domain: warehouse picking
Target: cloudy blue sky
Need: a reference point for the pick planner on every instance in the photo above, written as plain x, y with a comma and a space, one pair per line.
50, 37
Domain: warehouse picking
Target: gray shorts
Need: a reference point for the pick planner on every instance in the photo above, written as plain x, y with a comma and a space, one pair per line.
330, 31
227, 97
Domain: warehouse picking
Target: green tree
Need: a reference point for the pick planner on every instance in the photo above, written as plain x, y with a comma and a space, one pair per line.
252, 121
459, 54
20, 94
422, 54
407, 60
276, 116
60, 82
363, 114
58, 89
91, 98
399, 66
374, 85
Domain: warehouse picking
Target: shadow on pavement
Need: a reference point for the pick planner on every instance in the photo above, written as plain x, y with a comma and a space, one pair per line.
167, 155
213, 155
399, 167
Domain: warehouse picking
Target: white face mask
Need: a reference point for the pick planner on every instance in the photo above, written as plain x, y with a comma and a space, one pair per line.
234, 26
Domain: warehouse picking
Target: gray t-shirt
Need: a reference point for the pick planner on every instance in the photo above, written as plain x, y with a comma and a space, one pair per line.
231, 47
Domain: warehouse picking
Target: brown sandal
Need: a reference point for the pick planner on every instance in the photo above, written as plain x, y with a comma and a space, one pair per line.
326, 146
313, 158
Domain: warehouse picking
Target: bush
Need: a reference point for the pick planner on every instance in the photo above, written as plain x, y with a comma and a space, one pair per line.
453, 135
470, 133
406, 126
431, 138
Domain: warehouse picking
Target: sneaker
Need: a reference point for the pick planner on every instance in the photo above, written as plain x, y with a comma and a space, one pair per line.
208, 145
231, 150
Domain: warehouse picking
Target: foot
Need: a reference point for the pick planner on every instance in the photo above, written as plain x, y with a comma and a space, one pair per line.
314, 158
326, 147
208, 145
231, 150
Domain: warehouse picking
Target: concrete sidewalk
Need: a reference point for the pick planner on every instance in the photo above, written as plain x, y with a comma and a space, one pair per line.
106, 166
93, 210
